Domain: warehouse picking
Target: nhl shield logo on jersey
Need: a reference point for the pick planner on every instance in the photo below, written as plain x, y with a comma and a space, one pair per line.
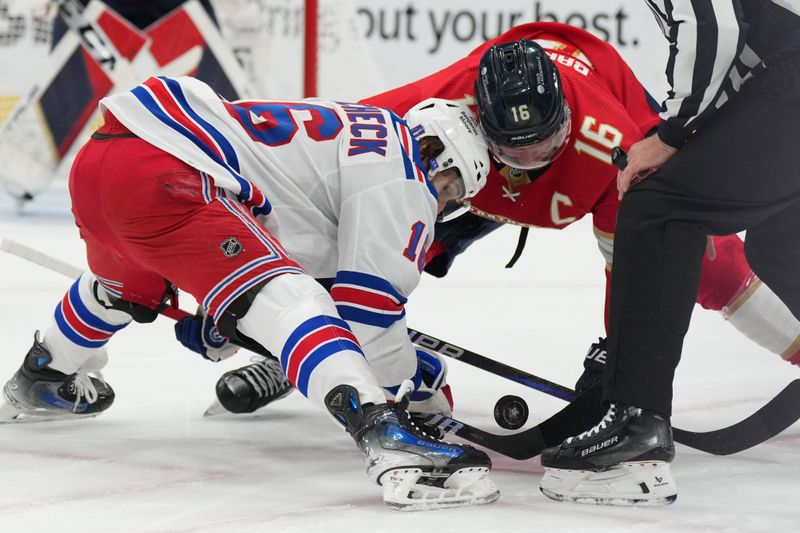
515, 177
231, 247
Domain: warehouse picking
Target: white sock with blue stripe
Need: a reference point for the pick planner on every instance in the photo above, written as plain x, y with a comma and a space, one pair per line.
81, 328
295, 319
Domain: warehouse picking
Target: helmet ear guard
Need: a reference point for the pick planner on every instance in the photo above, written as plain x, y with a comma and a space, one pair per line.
521, 104
457, 128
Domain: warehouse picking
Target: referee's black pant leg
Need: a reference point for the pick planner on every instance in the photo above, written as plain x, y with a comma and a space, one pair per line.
741, 171
654, 284
773, 251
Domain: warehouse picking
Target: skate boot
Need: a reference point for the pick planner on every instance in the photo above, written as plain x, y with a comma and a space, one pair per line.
38, 393
416, 470
623, 460
250, 387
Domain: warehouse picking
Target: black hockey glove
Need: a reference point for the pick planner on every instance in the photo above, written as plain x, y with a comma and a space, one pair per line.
594, 366
455, 236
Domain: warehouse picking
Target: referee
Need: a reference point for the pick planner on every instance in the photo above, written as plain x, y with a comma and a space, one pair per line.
726, 158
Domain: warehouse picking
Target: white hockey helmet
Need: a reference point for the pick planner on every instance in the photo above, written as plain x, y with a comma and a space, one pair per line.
464, 144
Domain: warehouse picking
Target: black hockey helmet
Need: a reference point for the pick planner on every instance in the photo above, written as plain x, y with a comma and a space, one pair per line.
521, 104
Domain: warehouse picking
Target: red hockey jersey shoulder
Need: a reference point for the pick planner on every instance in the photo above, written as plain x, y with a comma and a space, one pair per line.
579, 180
456, 82
609, 107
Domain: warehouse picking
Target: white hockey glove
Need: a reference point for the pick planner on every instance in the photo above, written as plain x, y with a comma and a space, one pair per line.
199, 334
431, 392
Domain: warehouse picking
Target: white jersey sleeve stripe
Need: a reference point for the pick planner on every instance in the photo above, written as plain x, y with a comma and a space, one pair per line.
169, 93
411, 157
163, 98
156, 107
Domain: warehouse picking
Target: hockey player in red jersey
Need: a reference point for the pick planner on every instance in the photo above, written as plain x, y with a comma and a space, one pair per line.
552, 141
553, 101
244, 205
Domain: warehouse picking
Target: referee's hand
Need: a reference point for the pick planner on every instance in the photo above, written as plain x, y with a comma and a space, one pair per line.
644, 158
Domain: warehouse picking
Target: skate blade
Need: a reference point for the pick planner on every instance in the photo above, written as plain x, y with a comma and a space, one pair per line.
645, 484
468, 486
10, 414
215, 409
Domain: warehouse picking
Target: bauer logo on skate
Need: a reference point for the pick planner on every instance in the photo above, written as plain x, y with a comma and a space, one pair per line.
597, 447
441, 447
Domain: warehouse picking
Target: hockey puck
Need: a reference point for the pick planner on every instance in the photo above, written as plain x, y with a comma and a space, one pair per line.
511, 412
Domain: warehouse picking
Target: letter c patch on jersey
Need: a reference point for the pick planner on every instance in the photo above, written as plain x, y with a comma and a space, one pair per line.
555, 211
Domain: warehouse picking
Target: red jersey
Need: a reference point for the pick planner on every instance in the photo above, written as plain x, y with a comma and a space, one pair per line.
609, 107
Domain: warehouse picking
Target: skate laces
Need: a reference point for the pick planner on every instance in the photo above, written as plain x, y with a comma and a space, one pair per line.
265, 375
401, 400
82, 387
607, 419
403, 395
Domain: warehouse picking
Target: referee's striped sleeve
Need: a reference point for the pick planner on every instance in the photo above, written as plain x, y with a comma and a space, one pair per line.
705, 36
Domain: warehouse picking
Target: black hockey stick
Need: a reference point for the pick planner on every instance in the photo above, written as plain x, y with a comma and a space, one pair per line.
778, 414
522, 445
764, 424
490, 365
574, 418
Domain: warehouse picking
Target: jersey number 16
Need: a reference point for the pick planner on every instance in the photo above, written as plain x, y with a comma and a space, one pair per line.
603, 138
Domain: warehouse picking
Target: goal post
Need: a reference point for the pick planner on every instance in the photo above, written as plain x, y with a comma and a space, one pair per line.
301, 48
310, 47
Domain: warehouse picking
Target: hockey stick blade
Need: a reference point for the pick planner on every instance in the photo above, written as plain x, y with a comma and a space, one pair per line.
571, 420
574, 418
777, 415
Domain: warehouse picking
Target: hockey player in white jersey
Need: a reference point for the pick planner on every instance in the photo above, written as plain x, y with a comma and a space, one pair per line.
243, 204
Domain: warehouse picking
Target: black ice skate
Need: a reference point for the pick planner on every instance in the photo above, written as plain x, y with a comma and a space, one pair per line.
623, 460
416, 470
250, 387
36, 392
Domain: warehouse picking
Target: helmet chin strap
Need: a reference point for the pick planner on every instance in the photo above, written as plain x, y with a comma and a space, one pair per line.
454, 212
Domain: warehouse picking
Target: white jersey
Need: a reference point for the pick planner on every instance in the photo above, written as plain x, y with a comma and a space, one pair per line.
340, 186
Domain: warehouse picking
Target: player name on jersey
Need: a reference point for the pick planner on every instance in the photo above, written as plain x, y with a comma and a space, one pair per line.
368, 129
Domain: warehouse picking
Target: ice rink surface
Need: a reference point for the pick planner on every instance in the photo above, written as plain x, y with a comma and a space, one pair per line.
152, 463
